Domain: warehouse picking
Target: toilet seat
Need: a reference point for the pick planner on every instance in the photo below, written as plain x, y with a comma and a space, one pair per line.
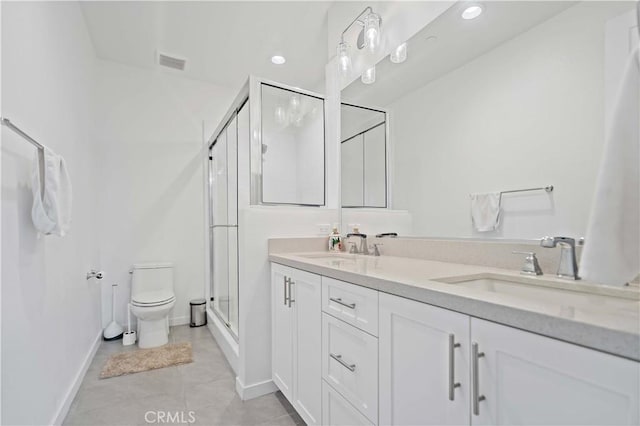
153, 298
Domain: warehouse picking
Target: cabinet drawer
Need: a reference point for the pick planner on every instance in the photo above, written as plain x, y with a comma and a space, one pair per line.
350, 364
337, 411
353, 304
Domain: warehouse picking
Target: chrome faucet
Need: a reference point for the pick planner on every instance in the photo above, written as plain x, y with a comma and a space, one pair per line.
530, 265
364, 249
568, 267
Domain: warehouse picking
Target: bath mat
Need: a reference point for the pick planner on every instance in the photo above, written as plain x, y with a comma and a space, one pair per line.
147, 359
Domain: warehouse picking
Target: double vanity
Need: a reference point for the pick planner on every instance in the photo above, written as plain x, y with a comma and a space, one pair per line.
395, 340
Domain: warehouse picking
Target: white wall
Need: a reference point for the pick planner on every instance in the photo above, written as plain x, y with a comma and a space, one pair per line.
528, 113
256, 225
377, 221
50, 312
151, 158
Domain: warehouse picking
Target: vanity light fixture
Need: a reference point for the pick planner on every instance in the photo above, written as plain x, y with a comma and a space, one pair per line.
369, 38
472, 12
372, 32
278, 59
369, 75
399, 54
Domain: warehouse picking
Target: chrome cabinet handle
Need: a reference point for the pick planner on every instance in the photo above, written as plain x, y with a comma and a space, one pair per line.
339, 301
285, 282
452, 367
350, 367
476, 385
291, 282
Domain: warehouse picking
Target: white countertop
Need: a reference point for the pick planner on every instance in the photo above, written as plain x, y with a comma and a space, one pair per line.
587, 319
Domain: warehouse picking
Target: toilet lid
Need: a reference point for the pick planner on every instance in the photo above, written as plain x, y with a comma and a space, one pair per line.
159, 297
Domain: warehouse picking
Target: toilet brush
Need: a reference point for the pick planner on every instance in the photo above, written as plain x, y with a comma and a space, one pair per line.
129, 337
113, 330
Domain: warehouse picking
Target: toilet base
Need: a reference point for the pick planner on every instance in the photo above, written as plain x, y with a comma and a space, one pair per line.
153, 333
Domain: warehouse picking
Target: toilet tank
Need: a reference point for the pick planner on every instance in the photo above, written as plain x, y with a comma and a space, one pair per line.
151, 277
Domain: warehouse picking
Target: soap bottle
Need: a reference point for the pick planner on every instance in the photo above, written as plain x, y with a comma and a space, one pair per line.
335, 240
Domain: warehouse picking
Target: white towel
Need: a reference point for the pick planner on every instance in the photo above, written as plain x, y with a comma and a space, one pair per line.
612, 245
51, 211
485, 211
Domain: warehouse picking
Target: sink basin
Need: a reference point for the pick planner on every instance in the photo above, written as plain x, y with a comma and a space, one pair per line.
537, 290
330, 256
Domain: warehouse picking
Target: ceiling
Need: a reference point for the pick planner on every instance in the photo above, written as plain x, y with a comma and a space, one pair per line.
458, 42
223, 42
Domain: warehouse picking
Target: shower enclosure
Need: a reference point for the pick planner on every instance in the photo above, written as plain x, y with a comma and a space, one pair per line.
223, 218
258, 156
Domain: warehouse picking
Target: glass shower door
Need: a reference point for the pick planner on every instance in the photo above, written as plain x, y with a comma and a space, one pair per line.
223, 226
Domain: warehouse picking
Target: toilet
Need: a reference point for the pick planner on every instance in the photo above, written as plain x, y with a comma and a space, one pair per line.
152, 298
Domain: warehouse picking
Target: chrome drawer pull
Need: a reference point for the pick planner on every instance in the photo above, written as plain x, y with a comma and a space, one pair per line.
350, 367
475, 355
452, 367
291, 282
339, 301
286, 281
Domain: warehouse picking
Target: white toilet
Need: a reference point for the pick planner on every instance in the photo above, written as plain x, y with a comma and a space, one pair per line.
152, 299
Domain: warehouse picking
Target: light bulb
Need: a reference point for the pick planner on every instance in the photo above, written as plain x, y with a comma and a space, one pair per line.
399, 55
369, 75
294, 103
280, 115
344, 59
372, 32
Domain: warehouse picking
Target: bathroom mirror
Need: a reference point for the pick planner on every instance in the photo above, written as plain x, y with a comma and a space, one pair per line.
516, 98
293, 153
363, 137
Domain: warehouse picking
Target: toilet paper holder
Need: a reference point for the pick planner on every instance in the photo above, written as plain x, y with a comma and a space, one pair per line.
95, 274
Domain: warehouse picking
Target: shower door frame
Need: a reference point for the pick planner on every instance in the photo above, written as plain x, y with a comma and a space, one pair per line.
232, 113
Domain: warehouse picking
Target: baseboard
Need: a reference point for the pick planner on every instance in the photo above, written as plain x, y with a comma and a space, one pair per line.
224, 339
179, 321
255, 390
63, 410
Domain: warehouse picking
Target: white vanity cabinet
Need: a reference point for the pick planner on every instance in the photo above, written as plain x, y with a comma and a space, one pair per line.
345, 354
296, 339
507, 376
530, 379
424, 364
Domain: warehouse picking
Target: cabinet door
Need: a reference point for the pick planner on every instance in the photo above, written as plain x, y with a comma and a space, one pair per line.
306, 300
282, 332
417, 372
530, 379
337, 411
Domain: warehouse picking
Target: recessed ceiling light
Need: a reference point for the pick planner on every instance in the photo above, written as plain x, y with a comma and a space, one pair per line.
472, 12
278, 59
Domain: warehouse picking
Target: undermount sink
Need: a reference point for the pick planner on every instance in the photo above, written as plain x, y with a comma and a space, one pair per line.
328, 256
535, 289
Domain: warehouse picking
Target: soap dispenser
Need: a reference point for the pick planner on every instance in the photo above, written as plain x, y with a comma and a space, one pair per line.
335, 240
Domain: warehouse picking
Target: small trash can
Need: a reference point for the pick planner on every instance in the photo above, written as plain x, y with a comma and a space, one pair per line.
198, 312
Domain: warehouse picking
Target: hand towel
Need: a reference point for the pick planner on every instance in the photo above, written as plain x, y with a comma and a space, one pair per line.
485, 211
51, 211
612, 244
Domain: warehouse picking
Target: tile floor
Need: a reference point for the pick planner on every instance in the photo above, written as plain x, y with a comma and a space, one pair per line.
206, 387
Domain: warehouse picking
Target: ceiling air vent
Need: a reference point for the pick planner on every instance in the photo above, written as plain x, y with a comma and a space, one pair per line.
171, 61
